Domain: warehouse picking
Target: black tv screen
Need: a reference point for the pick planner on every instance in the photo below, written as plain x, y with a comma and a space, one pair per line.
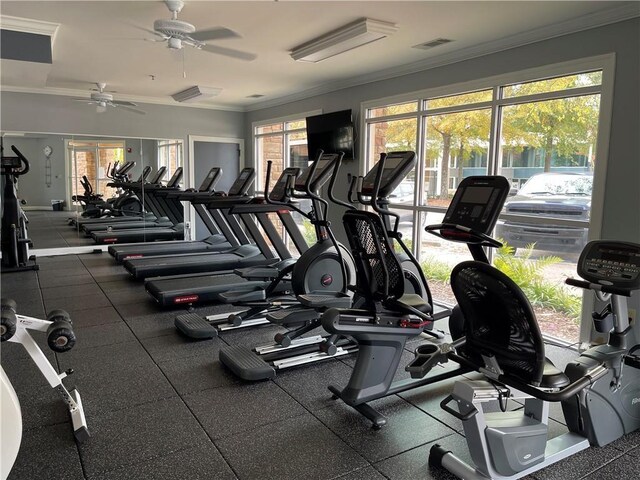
331, 133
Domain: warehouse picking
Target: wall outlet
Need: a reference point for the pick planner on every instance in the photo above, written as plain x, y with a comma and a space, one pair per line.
187, 225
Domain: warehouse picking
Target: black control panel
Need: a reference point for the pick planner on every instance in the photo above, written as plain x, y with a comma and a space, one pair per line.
396, 167
279, 192
612, 263
243, 183
175, 178
477, 203
159, 175
11, 162
326, 163
210, 180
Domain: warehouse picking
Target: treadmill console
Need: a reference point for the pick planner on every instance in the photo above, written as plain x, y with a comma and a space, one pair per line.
158, 176
243, 183
611, 263
279, 192
396, 167
210, 180
11, 162
477, 203
175, 178
326, 163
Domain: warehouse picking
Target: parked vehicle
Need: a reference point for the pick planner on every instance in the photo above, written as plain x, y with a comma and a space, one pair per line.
552, 196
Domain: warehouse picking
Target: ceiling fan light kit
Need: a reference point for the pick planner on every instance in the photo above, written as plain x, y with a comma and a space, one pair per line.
195, 94
343, 39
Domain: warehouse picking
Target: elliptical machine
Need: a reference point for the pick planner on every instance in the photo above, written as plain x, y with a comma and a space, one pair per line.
14, 241
390, 315
599, 390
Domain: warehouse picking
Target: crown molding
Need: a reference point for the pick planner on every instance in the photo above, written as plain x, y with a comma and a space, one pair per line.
64, 92
584, 22
28, 25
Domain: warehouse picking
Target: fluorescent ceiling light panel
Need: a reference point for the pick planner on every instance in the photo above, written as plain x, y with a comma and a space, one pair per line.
343, 39
196, 93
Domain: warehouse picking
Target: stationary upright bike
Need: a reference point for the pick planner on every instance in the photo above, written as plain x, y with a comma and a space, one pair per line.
14, 242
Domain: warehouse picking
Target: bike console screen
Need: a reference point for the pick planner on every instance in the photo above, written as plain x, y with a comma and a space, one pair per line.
478, 202
612, 263
396, 167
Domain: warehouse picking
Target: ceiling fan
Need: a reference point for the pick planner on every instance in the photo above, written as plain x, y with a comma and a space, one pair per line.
103, 99
178, 33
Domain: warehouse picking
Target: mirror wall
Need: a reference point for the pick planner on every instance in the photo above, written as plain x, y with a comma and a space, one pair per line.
63, 166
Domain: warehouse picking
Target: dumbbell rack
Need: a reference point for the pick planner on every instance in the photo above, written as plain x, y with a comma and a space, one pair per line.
21, 335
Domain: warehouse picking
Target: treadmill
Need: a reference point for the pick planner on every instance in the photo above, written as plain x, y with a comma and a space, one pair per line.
206, 288
244, 255
166, 217
215, 242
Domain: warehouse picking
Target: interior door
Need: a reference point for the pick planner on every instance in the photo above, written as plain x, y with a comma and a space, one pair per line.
214, 154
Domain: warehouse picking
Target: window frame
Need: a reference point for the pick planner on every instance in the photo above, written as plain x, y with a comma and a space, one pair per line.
285, 133
604, 63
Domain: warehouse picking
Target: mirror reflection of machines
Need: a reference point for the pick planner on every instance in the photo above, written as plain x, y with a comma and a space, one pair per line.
599, 390
389, 317
216, 241
15, 243
167, 216
127, 215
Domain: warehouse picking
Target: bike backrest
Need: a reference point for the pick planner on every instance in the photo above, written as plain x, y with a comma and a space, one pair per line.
499, 321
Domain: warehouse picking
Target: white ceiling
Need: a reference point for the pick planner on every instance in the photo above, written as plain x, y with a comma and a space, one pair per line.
98, 41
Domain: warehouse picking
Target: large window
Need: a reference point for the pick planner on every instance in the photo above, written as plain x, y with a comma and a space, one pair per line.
170, 155
540, 133
284, 143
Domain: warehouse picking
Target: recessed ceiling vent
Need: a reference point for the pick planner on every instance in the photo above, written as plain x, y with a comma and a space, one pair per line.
433, 43
196, 93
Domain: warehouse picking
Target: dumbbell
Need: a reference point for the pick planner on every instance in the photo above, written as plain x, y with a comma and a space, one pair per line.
60, 336
8, 319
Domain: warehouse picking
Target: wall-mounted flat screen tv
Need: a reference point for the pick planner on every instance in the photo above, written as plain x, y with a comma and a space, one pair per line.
331, 133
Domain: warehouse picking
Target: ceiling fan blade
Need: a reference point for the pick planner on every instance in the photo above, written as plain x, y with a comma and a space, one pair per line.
216, 33
129, 109
86, 100
229, 52
148, 30
123, 103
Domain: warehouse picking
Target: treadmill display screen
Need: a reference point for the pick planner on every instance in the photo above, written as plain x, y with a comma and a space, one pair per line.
476, 195
208, 181
396, 167
319, 176
242, 183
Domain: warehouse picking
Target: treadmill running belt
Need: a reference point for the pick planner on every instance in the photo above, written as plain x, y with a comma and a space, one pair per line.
201, 289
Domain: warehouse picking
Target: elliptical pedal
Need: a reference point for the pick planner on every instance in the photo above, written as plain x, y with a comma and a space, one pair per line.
194, 326
245, 363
